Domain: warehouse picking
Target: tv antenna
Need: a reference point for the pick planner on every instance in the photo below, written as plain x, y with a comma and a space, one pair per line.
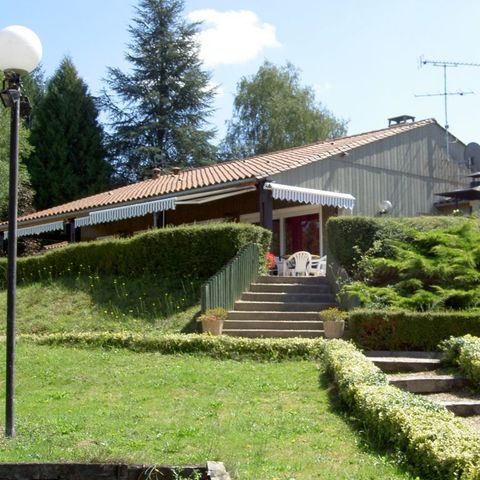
444, 64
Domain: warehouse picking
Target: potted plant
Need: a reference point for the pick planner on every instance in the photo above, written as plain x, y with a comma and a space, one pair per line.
333, 322
212, 320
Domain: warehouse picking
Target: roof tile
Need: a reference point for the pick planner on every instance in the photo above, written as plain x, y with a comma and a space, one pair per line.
260, 166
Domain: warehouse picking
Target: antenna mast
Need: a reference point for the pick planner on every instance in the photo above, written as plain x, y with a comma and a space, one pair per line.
445, 94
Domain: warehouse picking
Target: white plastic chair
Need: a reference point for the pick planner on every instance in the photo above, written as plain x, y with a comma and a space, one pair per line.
301, 262
318, 267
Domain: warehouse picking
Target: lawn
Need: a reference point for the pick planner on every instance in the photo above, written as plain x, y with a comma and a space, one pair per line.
107, 303
263, 420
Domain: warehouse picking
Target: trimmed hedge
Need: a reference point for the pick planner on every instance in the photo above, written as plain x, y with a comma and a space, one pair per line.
434, 442
350, 237
220, 347
405, 330
191, 251
465, 353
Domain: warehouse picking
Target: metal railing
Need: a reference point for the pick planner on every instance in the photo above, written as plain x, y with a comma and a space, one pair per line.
228, 284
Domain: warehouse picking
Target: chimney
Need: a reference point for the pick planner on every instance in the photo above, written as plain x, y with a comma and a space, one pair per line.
400, 119
156, 173
175, 170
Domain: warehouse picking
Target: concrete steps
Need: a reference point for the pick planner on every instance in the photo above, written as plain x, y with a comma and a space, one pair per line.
289, 288
288, 297
268, 333
461, 403
273, 315
425, 377
280, 307
405, 361
428, 383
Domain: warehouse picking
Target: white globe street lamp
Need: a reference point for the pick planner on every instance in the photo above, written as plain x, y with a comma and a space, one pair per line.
20, 53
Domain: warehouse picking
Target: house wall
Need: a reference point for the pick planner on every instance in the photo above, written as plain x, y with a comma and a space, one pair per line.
406, 169
228, 208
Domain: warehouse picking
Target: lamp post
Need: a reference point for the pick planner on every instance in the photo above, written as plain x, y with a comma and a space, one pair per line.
20, 53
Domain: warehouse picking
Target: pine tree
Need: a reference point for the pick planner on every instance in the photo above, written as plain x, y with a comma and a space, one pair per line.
69, 158
273, 111
25, 192
159, 109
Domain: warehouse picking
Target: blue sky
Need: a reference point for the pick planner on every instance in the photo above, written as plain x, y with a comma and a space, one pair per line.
361, 57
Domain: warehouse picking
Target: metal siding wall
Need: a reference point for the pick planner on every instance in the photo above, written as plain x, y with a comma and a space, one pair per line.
406, 169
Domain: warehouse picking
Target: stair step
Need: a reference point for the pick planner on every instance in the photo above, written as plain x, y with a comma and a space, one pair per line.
290, 288
253, 332
463, 403
405, 361
283, 306
275, 315
292, 280
256, 324
429, 382
288, 297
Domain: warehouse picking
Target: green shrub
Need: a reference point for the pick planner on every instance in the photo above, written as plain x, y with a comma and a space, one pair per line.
221, 347
332, 314
428, 436
465, 353
351, 237
187, 252
404, 330
416, 270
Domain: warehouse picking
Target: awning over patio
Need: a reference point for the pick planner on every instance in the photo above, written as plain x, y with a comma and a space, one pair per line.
37, 229
128, 211
310, 195
472, 193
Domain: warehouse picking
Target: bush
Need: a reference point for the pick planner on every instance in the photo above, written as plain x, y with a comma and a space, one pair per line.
415, 270
465, 353
188, 252
428, 436
348, 237
351, 237
403, 330
220, 347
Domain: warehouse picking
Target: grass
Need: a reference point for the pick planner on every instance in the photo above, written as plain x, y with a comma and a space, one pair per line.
263, 420
93, 303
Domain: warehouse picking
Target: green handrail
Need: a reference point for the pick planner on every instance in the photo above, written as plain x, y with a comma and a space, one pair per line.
228, 284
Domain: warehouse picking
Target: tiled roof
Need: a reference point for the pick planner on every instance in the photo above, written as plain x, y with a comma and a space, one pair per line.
258, 167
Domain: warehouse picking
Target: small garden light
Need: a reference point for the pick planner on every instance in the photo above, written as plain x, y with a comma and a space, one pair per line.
20, 53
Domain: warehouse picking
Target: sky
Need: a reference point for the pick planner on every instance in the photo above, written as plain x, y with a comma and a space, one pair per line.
361, 57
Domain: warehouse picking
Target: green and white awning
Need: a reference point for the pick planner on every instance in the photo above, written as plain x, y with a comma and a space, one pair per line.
37, 229
128, 211
310, 196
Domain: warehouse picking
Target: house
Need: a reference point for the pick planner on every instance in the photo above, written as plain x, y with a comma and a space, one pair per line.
395, 171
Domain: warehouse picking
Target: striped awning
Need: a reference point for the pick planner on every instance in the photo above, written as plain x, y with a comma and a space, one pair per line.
128, 211
37, 229
311, 196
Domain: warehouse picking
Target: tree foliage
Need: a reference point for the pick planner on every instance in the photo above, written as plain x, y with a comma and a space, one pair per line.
69, 157
433, 270
273, 111
159, 109
25, 192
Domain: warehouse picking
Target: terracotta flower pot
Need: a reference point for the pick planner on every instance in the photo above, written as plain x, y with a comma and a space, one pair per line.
334, 328
213, 326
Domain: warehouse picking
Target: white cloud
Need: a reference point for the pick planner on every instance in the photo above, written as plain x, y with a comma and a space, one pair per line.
232, 37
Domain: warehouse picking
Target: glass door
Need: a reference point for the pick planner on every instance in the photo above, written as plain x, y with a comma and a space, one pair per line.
302, 233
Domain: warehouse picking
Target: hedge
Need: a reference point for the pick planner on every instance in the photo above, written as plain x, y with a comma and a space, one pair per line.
464, 352
405, 330
220, 347
433, 441
350, 237
191, 251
